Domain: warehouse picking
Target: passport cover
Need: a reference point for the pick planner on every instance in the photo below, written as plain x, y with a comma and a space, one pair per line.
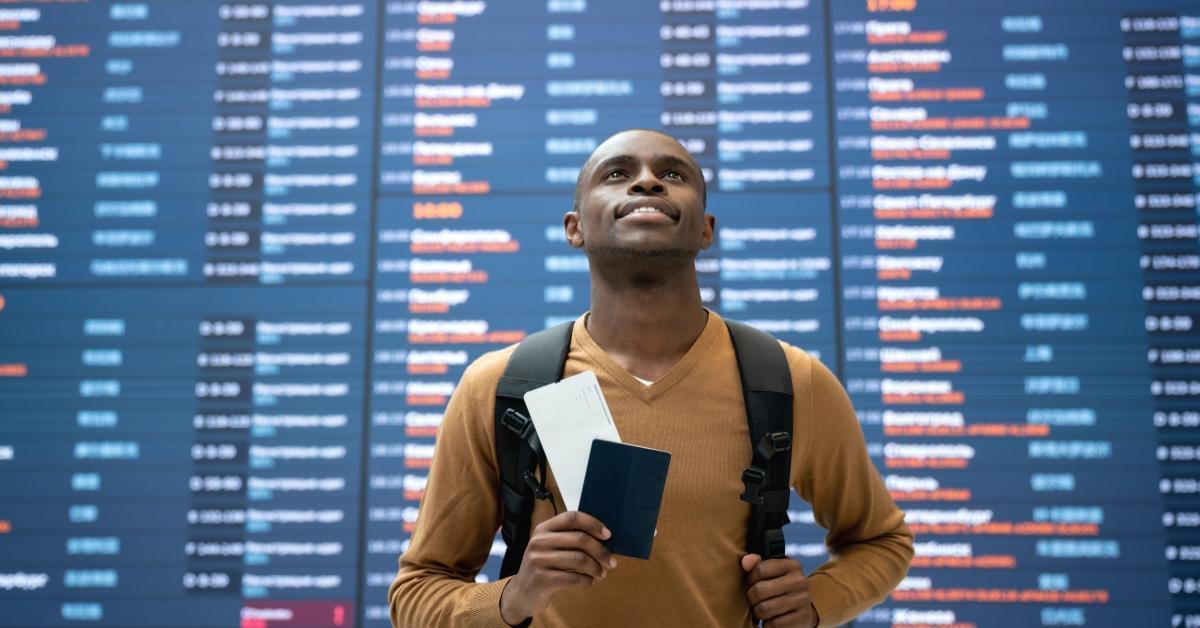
623, 488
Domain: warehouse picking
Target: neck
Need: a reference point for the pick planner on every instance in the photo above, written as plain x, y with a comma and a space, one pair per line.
646, 316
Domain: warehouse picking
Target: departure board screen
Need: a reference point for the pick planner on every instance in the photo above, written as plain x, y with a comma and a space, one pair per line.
247, 249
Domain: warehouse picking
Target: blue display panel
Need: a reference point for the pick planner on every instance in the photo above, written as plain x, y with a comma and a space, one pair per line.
996, 329
248, 248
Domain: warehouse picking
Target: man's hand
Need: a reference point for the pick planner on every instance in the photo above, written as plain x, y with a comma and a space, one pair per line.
563, 552
778, 592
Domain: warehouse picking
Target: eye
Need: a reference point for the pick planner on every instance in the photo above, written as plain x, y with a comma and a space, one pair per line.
618, 173
671, 174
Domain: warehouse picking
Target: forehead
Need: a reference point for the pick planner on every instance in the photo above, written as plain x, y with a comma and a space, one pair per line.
642, 144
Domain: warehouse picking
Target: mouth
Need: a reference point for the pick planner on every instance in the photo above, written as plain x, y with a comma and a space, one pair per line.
648, 209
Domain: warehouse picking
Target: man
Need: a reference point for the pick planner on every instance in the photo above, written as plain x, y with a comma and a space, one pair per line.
669, 374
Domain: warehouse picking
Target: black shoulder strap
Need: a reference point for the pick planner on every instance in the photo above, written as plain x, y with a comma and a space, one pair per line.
767, 390
537, 361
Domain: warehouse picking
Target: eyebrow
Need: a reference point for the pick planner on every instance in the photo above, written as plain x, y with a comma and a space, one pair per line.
661, 158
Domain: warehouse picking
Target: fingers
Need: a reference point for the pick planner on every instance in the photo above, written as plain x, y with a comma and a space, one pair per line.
579, 543
568, 568
563, 551
766, 589
575, 520
588, 544
775, 587
777, 608
772, 568
558, 533
570, 542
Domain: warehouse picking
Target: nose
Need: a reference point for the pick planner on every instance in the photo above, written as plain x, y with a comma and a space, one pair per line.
646, 182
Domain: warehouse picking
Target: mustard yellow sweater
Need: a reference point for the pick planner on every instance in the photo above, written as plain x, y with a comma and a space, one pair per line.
693, 577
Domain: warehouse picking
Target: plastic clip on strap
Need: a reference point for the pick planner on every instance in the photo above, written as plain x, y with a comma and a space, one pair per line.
768, 505
755, 477
775, 442
768, 500
522, 426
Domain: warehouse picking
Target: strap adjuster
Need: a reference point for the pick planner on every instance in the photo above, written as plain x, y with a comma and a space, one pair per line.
539, 490
773, 443
516, 422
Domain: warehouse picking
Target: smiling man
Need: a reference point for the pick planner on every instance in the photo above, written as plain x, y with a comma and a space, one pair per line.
669, 372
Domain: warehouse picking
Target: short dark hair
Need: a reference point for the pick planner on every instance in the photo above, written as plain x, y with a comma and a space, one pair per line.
588, 164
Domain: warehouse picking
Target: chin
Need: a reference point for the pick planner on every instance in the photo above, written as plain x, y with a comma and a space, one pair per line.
647, 252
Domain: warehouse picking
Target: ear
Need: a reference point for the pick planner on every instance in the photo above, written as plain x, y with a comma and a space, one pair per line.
573, 229
710, 230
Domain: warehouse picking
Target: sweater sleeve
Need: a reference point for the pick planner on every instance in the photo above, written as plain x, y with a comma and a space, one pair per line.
458, 518
870, 546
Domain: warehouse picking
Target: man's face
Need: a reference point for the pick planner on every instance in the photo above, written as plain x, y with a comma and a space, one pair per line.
640, 195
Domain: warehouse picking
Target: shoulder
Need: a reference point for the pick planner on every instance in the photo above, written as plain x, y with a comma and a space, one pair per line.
468, 419
475, 393
804, 369
486, 370
815, 389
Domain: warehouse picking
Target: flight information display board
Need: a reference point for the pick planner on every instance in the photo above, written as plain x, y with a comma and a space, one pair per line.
248, 248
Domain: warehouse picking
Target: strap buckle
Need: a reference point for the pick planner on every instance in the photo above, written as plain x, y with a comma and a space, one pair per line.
773, 443
753, 479
516, 422
772, 501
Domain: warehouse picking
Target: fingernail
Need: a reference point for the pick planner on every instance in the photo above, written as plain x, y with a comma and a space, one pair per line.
612, 563
605, 533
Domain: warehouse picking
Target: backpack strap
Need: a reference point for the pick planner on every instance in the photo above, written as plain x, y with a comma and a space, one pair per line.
767, 391
537, 361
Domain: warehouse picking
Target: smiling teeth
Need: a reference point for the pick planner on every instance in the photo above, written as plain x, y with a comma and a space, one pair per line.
646, 210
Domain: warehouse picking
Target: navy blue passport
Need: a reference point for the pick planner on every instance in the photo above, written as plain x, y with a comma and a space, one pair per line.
623, 488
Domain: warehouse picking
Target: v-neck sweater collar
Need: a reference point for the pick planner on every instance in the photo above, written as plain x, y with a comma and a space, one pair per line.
685, 365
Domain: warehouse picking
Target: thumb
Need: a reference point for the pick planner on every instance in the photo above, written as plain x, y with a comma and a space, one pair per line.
749, 561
